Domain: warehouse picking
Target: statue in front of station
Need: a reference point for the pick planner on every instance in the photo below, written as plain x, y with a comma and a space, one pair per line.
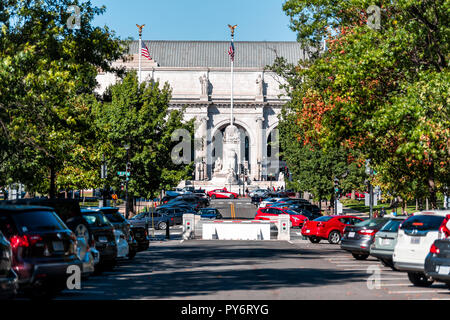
218, 165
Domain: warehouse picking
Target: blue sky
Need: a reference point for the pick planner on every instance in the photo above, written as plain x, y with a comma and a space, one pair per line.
257, 20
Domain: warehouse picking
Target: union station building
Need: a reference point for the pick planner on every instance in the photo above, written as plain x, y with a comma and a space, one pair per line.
199, 73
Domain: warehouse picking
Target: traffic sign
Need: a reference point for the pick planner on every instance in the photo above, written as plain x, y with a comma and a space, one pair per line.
123, 173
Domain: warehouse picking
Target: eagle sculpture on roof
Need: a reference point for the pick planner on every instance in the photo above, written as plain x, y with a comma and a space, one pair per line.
232, 28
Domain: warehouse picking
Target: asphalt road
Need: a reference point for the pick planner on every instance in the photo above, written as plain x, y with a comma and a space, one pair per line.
256, 270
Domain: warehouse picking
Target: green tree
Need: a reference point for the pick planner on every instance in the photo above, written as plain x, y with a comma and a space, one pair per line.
139, 116
44, 66
382, 93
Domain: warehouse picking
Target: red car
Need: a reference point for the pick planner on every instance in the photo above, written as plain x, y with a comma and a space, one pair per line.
297, 219
222, 194
358, 195
328, 227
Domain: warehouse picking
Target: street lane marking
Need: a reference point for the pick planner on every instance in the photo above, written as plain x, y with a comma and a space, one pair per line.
393, 279
396, 285
420, 291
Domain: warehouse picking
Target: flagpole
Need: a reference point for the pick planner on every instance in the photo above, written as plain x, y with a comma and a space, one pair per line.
232, 78
140, 50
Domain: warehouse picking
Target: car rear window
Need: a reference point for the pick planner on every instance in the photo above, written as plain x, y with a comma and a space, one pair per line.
324, 218
391, 226
96, 219
115, 217
38, 221
423, 223
370, 222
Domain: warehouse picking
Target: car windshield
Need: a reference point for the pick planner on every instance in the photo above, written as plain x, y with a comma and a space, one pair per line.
114, 217
370, 222
324, 218
96, 219
292, 212
423, 223
391, 226
38, 221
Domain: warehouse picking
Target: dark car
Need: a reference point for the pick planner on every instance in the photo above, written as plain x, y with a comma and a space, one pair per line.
120, 223
43, 248
210, 213
358, 238
140, 234
100, 233
437, 262
155, 220
176, 212
9, 283
196, 200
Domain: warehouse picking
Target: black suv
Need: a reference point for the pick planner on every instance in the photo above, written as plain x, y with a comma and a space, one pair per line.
43, 248
70, 213
8, 278
100, 233
120, 223
193, 199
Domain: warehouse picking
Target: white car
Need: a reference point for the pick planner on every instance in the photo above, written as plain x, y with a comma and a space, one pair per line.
265, 202
122, 244
415, 237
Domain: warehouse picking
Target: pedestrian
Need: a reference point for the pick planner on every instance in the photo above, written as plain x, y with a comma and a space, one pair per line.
382, 212
246, 192
375, 214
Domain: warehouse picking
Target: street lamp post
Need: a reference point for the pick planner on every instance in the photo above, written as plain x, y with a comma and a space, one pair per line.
127, 210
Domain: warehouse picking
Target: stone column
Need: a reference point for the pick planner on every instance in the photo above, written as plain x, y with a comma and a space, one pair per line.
259, 147
200, 140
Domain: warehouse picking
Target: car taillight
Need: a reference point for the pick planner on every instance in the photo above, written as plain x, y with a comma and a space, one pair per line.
367, 232
434, 249
171, 219
19, 241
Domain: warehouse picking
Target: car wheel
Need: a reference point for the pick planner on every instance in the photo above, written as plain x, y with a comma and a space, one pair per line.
388, 263
359, 256
314, 239
334, 237
82, 231
162, 226
419, 279
213, 196
131, 255
232, 196
448, 284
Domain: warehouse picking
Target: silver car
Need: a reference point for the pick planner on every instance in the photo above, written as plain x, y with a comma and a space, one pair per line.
385, 241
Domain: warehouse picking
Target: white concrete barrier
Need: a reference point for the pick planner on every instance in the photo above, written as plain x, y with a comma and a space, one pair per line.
236, 230
284, 227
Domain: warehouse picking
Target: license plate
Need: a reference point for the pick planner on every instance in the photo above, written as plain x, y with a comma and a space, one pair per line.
102, 239
415, 240
351, 234
385, 242
57, 246
443, 270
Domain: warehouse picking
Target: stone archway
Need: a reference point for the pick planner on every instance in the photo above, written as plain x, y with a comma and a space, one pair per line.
245, 156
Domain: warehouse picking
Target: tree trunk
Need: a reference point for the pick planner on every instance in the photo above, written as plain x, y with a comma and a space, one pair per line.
432, 187
417, 204
52, 193
353, 196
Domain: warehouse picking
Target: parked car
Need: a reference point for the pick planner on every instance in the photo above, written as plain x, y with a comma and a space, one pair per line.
140, 234
437, 262
9, 281
328, 227
42, 248
100, 233
120, 223
415, 238
122, 244
222, 194
358, 238
297, 219
269, 201
210, 213
193, 199
258, 193
385, 240
89, 257
176, 212
358, 195
157, 220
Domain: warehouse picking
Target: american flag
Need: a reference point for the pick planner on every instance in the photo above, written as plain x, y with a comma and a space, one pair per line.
231, 51
145, 52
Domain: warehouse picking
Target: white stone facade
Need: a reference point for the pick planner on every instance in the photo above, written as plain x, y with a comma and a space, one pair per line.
257, 100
